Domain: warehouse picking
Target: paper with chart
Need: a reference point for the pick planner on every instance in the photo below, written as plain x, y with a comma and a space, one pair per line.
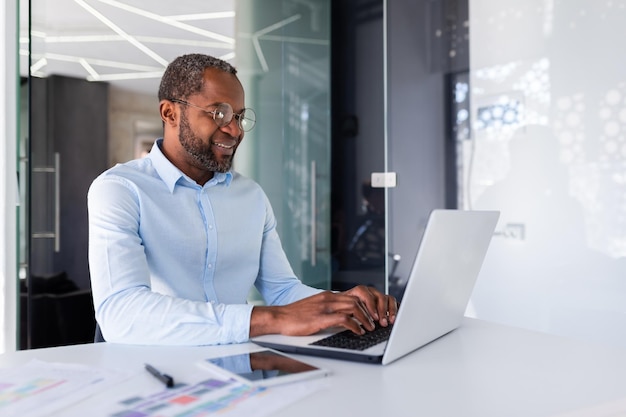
40, 388
211, 394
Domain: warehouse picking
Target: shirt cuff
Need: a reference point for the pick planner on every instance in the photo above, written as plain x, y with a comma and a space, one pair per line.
236, 322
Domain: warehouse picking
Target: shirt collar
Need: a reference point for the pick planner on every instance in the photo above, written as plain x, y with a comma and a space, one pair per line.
170, 174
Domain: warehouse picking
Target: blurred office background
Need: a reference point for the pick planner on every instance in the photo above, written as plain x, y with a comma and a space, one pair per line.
470, 104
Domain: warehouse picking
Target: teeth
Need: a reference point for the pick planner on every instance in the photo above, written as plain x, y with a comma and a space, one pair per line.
221, 145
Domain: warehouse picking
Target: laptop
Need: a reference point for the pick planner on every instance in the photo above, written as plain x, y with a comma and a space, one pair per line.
440, 284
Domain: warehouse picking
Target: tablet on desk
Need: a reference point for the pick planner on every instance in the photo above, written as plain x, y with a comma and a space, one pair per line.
264, 368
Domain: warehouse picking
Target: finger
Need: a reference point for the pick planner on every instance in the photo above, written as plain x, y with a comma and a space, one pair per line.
380, 304
383, 310
351, 306
386, 306
393, 309
368, 297
354, 325
346, 321
354, 308
347, 312
363, 316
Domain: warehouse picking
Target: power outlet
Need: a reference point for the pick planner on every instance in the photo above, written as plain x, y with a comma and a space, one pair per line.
383, 179
515, 231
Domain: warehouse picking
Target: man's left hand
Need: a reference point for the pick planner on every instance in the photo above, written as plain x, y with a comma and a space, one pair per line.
381, 308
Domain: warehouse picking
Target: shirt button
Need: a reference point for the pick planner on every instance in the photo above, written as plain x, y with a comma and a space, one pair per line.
210, 265
211, 226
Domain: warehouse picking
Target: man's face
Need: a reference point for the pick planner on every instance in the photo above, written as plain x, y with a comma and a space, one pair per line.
210, 147
200, 149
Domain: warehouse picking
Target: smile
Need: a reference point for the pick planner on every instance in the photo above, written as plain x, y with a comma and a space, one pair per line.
221, 145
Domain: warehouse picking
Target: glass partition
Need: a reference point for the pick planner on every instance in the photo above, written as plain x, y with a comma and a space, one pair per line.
359, 209
283, 55
93, 69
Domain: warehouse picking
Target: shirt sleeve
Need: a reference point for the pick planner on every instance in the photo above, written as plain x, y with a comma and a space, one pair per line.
126, 308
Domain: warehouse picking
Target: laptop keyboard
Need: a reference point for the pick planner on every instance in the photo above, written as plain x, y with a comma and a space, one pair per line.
348, 340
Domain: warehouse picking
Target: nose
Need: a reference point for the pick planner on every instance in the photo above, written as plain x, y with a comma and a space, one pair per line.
232, 128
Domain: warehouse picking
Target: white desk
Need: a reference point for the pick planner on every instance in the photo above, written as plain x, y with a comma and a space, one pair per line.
481, 369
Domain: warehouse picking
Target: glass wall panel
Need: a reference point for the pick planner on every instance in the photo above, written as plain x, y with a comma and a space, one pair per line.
359, 245
283, 56
117, 52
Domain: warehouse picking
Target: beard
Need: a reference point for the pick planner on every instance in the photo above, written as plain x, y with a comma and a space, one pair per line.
202, 152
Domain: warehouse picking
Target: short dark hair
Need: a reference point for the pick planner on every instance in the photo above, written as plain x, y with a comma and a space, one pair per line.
184, 75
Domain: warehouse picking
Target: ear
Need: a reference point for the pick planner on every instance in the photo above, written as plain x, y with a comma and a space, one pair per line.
169, 113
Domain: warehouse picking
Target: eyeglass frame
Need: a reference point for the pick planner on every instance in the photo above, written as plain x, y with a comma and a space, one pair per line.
237, 116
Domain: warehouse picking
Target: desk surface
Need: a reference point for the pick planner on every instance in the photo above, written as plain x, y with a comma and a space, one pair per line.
481, 369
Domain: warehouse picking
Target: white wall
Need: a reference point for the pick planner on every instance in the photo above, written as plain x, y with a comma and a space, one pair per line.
558, 171
8, 181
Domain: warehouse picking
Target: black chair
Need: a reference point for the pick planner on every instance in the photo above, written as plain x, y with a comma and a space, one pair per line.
98, 338
55, 312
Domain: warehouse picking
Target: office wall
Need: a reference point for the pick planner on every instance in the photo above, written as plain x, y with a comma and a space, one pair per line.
548, 149
8, 183
134, 123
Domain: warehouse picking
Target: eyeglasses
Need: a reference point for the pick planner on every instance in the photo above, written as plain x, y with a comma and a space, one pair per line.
223, 115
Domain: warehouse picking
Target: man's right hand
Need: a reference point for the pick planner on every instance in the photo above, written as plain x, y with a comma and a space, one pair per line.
321, 311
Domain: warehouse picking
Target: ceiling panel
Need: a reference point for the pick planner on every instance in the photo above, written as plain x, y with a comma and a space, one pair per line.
127, 43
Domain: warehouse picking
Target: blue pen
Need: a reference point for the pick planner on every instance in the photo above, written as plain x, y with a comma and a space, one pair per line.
166, 379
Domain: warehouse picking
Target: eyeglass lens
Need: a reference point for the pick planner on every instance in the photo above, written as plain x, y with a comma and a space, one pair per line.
223, 115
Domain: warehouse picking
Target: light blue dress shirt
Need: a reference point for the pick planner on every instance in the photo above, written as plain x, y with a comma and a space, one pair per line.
172, 262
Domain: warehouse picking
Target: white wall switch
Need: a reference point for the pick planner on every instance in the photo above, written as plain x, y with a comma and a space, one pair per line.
383, 179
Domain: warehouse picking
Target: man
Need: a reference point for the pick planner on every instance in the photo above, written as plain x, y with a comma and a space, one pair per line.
178, 238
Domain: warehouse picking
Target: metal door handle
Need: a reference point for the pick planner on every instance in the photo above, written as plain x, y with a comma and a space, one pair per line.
57, 202
56, 233
313, 214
